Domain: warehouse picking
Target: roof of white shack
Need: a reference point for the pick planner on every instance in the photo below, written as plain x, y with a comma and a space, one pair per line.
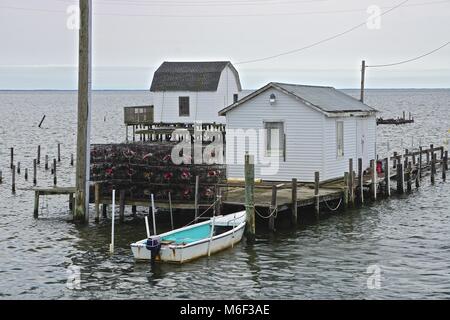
327, 100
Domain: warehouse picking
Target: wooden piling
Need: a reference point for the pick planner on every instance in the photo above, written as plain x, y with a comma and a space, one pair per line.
97, 202
13, 176
1, 177
409, 177
361, 181
104, 211
395, 160
346, 192
36, 204
55, 179
71, 159
197, 186
249, 196
18, 167
351, 182
400, 189
273, 208
38, 155
420, 162
12, 158
122, 206
34, 172
373, 168
387, 177
59, 152
433, 167
317, 193
294, 216
171, 211
26, 174
46, 162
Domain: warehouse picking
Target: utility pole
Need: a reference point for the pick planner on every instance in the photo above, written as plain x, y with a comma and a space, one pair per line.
81, 212
363, 79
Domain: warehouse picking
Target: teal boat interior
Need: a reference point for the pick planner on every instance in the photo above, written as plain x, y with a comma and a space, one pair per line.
194, 234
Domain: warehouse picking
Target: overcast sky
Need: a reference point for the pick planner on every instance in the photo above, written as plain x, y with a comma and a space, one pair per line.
133, 37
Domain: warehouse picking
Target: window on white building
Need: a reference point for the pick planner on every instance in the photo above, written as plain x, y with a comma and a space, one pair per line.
275, 139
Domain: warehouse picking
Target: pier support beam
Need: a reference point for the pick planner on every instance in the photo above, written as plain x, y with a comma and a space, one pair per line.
294, 216
97, 202
361, 181
387, 177
373, 188
400, 189
273, 209
249, 196
317, 194
122, 206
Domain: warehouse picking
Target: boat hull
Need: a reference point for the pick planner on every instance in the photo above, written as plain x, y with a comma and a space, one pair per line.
173, 253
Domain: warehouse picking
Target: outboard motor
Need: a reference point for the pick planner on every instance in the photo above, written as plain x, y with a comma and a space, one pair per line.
154, 246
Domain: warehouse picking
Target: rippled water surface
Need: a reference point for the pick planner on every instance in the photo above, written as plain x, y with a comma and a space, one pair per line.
406, 237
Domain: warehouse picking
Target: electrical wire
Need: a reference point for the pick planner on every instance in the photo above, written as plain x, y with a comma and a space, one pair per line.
409, 60
319, 42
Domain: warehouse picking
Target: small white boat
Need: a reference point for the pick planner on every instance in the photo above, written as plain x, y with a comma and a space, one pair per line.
192, 242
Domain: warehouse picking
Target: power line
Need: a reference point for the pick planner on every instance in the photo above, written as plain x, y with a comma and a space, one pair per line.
409, 60
321, 41
243, 15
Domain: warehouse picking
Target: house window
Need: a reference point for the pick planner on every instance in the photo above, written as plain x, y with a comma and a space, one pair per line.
340, 138
235, 98
275, 139
184, 107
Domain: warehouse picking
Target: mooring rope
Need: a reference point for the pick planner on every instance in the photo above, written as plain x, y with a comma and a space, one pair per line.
274, 213
335, 209
215, 202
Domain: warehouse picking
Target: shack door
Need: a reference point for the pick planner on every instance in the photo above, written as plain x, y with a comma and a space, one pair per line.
361, 142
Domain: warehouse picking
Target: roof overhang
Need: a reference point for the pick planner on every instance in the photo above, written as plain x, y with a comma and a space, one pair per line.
350, 113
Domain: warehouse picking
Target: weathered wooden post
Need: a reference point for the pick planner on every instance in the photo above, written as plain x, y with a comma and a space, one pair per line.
1, 177
444, 166
46, 162
395, 160
433, 167
363, 80
361, 180
104, 211
122, 206
373, 167
171, 211
81, 212
12, 158
18, 167
317, 193
400, 189
13, 183
26, 174
294, 216
55, 179
409, 177
59, 152
71, 159
387, 177
197, 186
273, 209
249, 196
34, 172
351, 183
420, 162
345, 193
97, 202
36, 204
39, 155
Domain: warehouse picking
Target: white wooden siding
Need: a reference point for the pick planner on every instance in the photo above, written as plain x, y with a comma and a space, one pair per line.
304, 136
204, 106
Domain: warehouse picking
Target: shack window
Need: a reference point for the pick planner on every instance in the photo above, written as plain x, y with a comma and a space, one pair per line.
275, 139
340, 138
184, 107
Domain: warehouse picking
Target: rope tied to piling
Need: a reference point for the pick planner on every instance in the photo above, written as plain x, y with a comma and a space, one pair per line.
274, 213
333, 209
209, 208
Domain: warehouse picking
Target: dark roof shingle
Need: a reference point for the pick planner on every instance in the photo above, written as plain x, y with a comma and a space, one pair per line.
190, 76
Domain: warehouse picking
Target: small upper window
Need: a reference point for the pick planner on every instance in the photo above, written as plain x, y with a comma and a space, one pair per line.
184, 108
340, 138
235, 98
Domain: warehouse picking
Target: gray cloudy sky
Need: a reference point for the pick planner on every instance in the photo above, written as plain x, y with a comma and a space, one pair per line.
133, 37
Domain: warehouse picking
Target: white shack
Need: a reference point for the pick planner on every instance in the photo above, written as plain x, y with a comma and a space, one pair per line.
188, 92
300, 130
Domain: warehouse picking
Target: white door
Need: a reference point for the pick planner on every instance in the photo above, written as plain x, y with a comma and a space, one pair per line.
361, 143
